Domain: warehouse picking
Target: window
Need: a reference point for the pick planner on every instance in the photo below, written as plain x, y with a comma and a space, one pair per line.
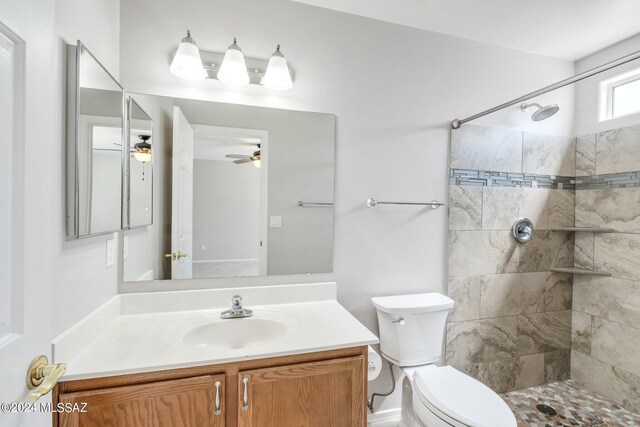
626, 98
620, 95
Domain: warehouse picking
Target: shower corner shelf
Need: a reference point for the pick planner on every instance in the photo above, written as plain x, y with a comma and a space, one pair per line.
584, 229
578, 270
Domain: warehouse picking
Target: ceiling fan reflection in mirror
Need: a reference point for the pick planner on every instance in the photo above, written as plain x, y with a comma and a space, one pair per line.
244, 158
141, 151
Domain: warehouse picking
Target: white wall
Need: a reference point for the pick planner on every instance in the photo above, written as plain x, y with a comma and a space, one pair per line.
81, 282
588, 91
394, 91
226, 210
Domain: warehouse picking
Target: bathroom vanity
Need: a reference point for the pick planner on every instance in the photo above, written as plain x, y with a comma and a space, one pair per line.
168, 358
312, 389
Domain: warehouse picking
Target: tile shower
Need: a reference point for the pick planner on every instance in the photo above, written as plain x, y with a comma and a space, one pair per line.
516, 324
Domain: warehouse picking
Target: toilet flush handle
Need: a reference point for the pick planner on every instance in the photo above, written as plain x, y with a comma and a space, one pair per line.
400, 322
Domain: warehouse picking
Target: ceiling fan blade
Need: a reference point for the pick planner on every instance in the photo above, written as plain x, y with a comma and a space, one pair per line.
236, 156
245, 160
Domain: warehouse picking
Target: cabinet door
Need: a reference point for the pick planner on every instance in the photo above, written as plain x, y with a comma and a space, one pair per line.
329, 393
189, 402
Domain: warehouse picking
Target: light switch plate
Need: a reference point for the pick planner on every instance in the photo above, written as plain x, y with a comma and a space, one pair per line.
111, 252
275, 221
125, 247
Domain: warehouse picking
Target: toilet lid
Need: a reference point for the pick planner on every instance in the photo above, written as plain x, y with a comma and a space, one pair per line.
462, 398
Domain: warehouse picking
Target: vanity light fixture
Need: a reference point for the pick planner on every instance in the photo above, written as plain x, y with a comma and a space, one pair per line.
187, 63
233, 70
277, 76
232, 67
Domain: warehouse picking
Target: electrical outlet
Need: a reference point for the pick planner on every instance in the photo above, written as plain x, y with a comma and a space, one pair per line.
203, 248
111, 252
275, 221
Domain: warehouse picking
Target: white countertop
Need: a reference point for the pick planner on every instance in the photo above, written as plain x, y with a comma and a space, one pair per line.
137, 333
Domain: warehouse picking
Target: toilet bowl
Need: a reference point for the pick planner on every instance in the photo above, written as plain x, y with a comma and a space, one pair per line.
411, 337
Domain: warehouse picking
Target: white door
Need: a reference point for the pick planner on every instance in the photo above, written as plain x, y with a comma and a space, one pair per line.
28, 145
182, 198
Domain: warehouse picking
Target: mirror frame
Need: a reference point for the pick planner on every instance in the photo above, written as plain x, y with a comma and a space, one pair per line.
73, 142
127, 184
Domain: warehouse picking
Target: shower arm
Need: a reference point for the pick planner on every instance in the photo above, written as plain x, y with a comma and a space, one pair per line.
592, 72
525, 105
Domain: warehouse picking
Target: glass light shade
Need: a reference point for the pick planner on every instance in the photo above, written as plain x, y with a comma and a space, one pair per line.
233, 70
187, 63
277, 76
256, 163
142, 157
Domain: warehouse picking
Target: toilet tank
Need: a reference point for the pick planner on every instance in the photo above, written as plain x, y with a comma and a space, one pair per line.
412, 327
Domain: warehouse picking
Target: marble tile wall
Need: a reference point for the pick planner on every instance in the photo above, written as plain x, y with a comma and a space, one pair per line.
515, 324
511, 326
510, 150
605, 335
606, 316
617, 150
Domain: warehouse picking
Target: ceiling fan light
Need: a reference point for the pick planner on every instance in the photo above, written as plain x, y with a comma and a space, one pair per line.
233, 70
187, 63
277, 76
142, 157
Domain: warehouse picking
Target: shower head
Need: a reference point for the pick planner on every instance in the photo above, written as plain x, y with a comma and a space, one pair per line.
541, 113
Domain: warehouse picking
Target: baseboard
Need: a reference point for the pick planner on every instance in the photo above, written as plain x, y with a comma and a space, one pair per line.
200, 261
388, 416
148, 275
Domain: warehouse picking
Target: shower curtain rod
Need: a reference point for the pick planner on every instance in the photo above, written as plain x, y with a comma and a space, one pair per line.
609, 65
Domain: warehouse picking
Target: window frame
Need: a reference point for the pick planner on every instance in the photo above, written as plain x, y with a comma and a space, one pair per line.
607, 88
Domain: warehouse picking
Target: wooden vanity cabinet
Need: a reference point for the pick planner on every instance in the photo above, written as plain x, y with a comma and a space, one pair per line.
183, 402
323, 394
324, 389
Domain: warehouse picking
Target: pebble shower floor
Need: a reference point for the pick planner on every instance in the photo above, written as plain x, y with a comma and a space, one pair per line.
576, 406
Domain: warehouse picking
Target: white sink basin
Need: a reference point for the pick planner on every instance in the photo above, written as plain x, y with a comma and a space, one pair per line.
210, 331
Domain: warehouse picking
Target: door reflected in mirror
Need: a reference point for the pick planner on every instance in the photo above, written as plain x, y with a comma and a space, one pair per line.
228, 182
229, 165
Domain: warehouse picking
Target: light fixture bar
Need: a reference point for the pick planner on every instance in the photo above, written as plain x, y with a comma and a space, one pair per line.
256, 68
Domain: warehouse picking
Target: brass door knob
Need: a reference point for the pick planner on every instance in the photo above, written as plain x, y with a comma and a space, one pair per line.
176, 255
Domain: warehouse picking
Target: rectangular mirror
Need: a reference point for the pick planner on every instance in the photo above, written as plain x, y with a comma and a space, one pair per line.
139, 207
241, 191
95, 115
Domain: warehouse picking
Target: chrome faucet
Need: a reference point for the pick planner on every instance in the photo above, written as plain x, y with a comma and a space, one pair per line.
237, 311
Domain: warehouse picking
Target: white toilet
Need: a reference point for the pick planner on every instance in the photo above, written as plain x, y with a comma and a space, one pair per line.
411, 335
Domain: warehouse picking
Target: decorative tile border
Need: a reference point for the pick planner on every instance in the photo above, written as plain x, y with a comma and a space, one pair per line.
509, 179
610, 180
528, 180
